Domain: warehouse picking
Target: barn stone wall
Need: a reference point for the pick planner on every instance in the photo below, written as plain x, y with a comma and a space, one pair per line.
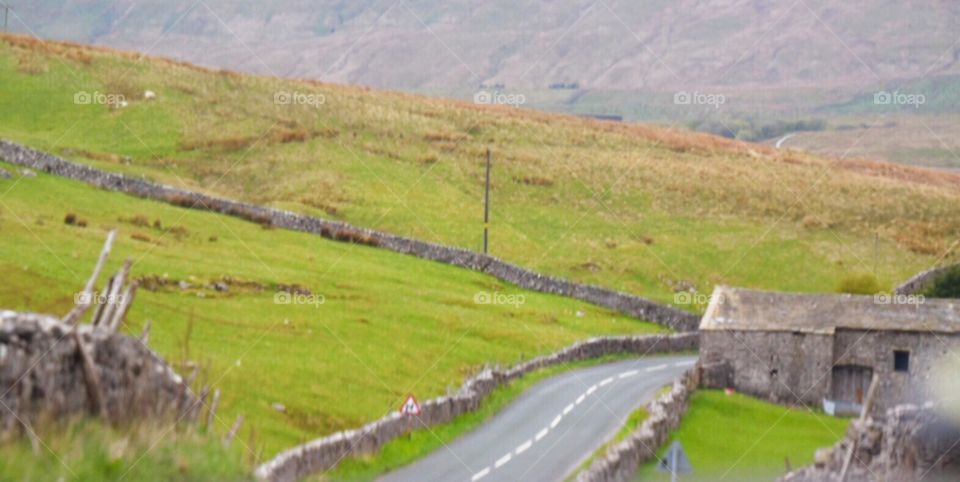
780, 366
875, 349
625, 303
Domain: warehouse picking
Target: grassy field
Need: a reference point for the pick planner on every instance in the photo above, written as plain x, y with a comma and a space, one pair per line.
640, 209
89, 451
378, 325
740, 438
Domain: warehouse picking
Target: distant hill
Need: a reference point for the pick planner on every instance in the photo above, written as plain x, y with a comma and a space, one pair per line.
606, 45
803, 61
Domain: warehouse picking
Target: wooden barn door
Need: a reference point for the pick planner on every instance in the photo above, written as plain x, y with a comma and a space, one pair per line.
851, 382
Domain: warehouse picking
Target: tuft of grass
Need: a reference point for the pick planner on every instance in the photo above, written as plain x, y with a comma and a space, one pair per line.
735, 437
90, 450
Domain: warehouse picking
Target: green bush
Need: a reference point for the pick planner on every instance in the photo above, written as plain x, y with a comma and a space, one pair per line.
859, 284
946, 285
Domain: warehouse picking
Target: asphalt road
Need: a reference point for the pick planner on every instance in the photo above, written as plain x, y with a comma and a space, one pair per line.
552, 428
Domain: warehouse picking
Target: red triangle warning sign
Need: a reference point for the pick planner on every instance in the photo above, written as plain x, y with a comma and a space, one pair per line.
410, 407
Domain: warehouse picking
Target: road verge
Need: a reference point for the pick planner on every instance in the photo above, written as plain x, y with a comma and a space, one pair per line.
324, 453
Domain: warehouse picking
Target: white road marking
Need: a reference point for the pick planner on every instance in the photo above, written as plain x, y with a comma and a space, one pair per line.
479, 475
556, 421
523, 447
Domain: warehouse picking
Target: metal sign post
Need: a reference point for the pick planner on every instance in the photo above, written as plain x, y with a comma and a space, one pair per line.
675, 461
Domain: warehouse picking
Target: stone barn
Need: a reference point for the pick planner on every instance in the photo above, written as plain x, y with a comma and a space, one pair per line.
796, 348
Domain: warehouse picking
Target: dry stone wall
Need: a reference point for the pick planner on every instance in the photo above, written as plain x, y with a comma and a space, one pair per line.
324, 453
635, 306
921, 281
622, 460
42, 376
908, 444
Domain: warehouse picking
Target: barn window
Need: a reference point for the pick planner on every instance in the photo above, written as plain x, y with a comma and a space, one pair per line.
901, 361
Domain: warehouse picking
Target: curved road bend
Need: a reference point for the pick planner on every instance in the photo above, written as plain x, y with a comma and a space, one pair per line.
552, 428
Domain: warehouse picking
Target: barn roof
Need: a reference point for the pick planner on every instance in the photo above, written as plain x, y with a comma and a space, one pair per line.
745, 309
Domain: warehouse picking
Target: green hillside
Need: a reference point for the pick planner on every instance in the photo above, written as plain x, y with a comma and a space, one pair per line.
641, 209
374, 327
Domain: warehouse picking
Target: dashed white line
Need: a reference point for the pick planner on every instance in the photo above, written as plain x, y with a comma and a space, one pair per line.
523, 447
556, 421
479, 475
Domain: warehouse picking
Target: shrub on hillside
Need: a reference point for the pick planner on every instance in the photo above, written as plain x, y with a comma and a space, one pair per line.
137, 236
946, 285
859, 284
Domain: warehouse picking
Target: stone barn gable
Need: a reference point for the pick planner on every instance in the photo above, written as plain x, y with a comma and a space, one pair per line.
798, 348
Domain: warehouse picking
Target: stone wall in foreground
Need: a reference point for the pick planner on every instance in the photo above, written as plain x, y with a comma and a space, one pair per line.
631, 305
42, 375
621, 462
324, 453
909, 443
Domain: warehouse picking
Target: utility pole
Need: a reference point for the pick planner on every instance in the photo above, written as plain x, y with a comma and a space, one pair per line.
876, 252
486, 208
6, 14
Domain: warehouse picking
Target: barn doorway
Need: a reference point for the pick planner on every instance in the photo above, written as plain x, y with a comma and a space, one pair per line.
851, 382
